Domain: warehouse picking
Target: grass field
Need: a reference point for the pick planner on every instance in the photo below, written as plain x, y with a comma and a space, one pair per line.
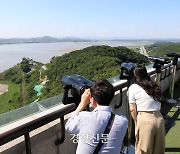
134, 48
6, 101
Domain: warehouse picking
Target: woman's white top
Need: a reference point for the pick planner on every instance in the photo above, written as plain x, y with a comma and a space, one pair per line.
144, 102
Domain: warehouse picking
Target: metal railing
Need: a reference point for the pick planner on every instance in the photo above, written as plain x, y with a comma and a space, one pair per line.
32, 125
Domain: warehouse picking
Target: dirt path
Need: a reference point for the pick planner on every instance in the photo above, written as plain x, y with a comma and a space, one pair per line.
3, 88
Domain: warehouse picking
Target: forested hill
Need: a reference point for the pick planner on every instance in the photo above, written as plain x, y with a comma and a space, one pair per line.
161, 48
93, 63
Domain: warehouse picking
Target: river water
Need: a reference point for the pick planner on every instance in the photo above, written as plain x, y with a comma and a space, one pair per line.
11, 54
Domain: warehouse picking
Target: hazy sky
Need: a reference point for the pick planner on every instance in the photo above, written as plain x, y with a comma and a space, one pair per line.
90, 18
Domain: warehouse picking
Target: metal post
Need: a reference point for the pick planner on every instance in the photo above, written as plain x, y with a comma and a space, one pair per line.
158, 78
173, 81
129, 136
158, 73
28, 143
62, 137
129, 131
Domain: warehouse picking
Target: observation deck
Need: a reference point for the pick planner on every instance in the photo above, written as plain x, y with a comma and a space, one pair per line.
39, 127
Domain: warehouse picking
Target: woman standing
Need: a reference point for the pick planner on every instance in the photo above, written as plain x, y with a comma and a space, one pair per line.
144, 101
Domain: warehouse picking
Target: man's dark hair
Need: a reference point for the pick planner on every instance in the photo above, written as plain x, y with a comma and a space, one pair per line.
102, 91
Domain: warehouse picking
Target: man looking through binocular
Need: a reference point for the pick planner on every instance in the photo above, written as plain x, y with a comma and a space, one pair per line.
89, 127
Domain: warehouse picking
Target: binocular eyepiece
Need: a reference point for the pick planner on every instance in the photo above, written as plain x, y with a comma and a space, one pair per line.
77, 84
127, 70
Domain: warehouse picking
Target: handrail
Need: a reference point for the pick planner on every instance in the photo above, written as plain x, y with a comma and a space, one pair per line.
32, 125
120, 86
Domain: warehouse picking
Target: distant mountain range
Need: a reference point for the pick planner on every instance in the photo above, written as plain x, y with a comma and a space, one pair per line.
44, 39
48, 39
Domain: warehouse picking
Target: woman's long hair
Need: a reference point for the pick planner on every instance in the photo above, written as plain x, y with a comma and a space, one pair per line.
143, 79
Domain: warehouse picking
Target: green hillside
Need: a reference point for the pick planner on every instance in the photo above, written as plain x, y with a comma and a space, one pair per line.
10, 100
94, 62
161, 48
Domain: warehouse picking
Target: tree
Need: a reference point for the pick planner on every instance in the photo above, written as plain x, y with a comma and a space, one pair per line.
26, 65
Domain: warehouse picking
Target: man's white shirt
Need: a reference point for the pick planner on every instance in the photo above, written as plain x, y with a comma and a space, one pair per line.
87, 128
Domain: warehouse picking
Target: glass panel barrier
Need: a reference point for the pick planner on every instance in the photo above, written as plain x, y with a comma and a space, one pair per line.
114, 79
49, 102
29, 109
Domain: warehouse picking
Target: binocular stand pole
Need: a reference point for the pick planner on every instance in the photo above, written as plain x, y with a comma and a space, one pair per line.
158, 74
171, 100
129, 137
173, 81
158, 78
128, 147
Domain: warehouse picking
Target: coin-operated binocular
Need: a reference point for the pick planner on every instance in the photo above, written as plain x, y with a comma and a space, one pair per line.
158, 63
127, 70
126, 73
74, 87
175, 57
